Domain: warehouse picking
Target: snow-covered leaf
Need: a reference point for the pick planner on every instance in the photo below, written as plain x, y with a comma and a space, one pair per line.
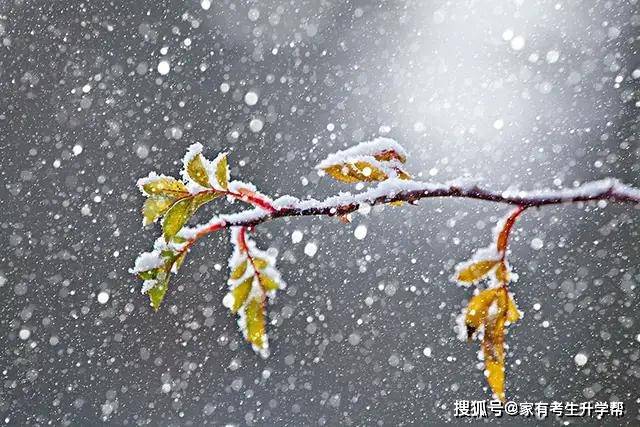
197, 171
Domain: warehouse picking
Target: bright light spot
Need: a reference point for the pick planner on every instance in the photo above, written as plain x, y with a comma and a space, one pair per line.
103, 297
537, 306
256, 125
498, 124
86, 88
553, 56
310, 249
163, 67
360, 232
517, 43
253, 14
536, 243
296, 236
224, 87
251, 98
427, 351
581, 359
205, 4
77, 149
507, 34
24, 334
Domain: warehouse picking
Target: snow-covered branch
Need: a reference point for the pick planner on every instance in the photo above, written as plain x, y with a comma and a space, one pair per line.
396, 190
254, 278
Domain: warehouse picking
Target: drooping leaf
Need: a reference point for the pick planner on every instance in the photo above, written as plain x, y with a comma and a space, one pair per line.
176, 217
239, 270
476, 271
154, 207
494, 355
260, 263
179, 260
256, 327
478, 309
222, 172
268, 284
165, 186
197, 171
240, 294
157, 293
513, 314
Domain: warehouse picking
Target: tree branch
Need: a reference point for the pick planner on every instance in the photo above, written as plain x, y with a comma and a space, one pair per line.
396, 190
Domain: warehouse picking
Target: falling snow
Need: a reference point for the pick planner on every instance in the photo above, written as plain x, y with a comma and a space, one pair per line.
514, 96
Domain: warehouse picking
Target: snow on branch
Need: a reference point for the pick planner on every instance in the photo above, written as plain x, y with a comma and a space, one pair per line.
254, 279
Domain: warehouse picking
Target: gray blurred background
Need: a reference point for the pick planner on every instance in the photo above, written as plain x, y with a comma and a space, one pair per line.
526, 94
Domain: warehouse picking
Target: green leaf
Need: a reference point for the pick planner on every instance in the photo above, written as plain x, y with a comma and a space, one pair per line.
239, 271
197, 171
180, 260
240, 293
157, 293
256, 327
165, 186
149, 274
222, 172
181, 211
202, 198
268, 284
176, 217
154, 207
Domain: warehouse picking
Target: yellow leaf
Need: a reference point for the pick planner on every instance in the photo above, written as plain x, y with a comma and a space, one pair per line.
154, 207
202, 198
165, 186
495, 377
397, 203
240, 293
494, 357
502, 273
513, 315
181, 211
256, 328
356, 172
260, 263
268, 284
478, 309
197, 171
239, 271
222, 172
176, 217
403, 175
476, 271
